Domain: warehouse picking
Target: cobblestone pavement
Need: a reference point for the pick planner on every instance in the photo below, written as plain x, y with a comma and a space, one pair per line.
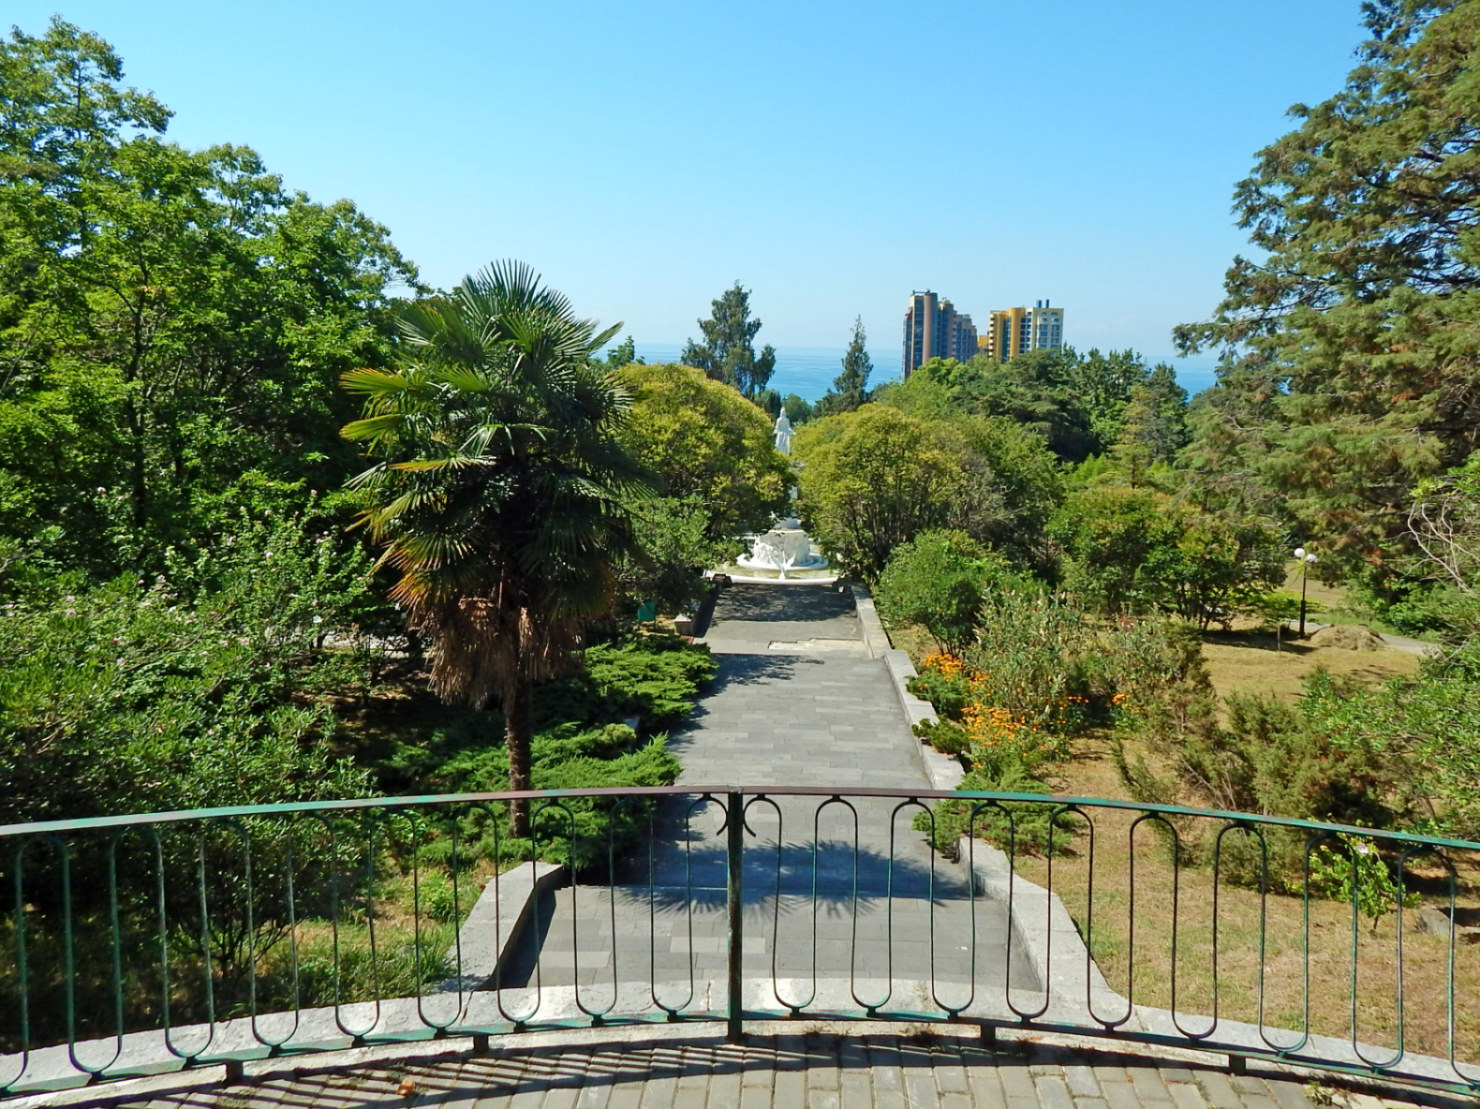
822, 1069
782, 713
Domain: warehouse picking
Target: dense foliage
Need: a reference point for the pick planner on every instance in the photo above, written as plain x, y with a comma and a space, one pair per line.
604, 724
172, 322
1039, 673
875, 478
204, 685
1128, 549
1349, 359
718, 474
939, 580
1078, 403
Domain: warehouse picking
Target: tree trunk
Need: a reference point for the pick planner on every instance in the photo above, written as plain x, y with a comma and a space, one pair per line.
518, 725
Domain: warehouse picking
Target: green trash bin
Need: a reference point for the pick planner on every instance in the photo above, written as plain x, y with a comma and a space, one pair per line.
647, 612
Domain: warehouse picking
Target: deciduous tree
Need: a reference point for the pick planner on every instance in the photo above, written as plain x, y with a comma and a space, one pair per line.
875, 478
172, 323
718, 473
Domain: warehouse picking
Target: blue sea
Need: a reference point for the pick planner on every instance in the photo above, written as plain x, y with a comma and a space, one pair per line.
809, 371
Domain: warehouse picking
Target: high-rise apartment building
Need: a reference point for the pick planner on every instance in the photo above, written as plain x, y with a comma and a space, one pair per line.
934, 329
1014, 331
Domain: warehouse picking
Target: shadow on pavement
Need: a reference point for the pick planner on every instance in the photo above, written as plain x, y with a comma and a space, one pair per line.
753, 670
623, 1067
790, 603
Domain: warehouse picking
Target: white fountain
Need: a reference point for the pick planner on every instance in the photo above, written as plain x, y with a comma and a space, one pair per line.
786, 548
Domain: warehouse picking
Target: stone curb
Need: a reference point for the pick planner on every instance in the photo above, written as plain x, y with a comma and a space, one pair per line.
404, 1017
1043, 930
869, 623
501, 915
943, 771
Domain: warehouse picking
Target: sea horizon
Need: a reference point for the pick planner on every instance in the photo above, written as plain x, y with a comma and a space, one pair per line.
809, 371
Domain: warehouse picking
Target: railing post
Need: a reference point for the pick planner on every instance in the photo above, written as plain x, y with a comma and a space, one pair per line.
735, 825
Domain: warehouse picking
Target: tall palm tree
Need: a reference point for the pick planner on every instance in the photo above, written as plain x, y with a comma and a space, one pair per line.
499, 487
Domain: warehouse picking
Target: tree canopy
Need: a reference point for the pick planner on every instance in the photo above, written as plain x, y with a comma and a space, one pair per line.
501, 488
728, 351
873, 479
718, 473
1077, 402
1349, 364
172, 322
702, 439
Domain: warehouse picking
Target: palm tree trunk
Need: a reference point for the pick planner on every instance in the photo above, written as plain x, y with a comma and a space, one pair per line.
518, 726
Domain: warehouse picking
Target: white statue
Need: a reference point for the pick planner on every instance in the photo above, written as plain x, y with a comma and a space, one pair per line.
783, 434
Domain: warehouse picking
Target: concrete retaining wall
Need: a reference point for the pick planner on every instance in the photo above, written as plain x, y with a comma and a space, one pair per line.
493, 929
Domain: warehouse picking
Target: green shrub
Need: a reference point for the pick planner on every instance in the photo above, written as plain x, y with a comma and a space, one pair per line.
1039, 659
945, 736
1019, 827
1266, 759
1135, 550
1354, 871
948, 691
938, 580
653, 677
193, 691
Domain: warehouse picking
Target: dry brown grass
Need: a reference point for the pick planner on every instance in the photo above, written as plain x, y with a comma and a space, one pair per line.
1249, 662
1286, 956
914, 639
1321, 595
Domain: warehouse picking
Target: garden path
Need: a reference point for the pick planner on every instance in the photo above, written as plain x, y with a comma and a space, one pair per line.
797, 701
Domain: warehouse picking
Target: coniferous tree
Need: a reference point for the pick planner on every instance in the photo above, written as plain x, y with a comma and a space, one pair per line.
1349, 353
850, 388
728, 351
1153, 424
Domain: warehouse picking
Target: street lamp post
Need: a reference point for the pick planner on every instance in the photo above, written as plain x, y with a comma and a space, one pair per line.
1306, 558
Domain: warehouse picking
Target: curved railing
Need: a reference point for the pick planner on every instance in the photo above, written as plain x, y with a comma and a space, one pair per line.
137, 944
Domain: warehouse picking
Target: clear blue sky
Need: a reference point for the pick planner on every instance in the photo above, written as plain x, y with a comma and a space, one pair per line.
833, 156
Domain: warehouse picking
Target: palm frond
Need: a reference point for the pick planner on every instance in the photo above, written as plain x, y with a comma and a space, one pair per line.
438, 465
373, 383
500, 494
374, 427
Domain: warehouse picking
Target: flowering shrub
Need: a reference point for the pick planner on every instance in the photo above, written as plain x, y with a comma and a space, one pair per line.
1041, 672
1027, 687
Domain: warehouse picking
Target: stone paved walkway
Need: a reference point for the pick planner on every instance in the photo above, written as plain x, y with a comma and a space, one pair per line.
820, 1069
784, 711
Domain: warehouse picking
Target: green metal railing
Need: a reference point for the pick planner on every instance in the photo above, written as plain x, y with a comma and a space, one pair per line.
139, 944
